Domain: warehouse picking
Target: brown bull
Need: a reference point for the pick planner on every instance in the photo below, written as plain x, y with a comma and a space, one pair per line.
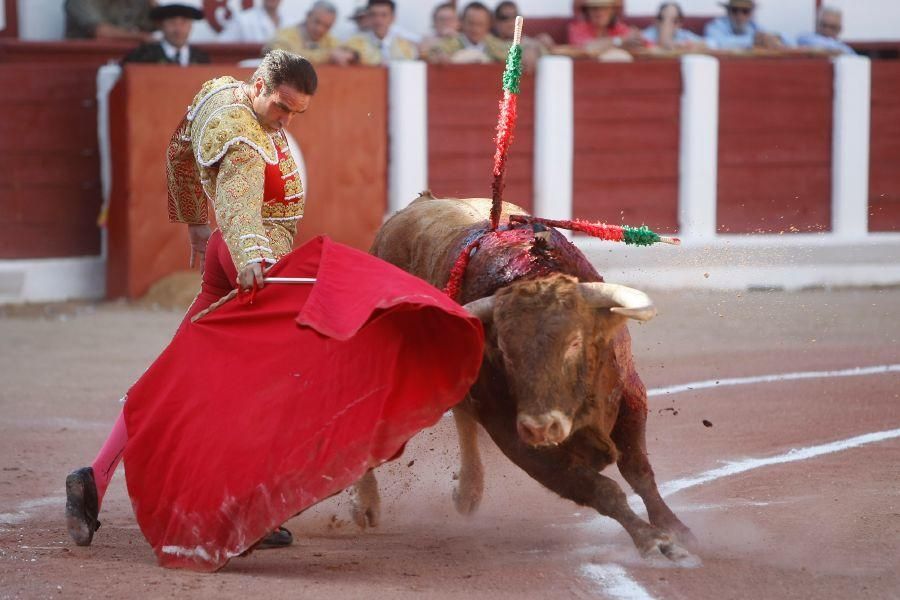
557, 390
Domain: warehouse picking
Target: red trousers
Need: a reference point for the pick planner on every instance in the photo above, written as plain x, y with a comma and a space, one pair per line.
219, 276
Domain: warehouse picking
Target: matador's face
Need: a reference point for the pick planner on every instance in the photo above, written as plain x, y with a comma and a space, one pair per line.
275, 110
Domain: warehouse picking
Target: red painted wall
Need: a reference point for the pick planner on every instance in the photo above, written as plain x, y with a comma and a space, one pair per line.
775, 123
884, 173
50, 189
463, 105
627, 142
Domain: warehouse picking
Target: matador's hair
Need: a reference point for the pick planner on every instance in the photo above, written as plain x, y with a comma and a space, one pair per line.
280, 67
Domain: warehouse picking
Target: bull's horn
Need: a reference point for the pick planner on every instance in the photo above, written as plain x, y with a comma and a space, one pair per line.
483, 308
620, 299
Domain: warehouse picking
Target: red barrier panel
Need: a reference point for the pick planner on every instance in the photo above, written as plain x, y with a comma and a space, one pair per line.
627, 143
775, 124
463, 103
343, 140
884, 173
50, 189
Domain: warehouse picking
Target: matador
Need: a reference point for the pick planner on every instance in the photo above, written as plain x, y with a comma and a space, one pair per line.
230, 150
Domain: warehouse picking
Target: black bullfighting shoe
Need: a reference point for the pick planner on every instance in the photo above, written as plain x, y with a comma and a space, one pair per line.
280, 538
82, 507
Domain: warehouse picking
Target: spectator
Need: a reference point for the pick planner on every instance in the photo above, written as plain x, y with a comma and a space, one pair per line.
381, 44
505, 28
312, 38
601, 29
109, 19
360, 18
175, 21
255, 25
445, 26
738, 30
474, 43
829, 24
668, 32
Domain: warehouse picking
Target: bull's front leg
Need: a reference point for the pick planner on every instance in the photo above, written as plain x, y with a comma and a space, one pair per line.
629, 436
468, 492
365, 501
563, 470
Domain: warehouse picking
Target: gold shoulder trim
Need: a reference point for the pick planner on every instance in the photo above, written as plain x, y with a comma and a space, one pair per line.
210, 89
229, 125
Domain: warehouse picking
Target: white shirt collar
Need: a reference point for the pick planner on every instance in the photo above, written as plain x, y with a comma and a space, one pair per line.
181, 55
468, 43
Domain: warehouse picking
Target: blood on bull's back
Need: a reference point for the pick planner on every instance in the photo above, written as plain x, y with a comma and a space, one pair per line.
428, 236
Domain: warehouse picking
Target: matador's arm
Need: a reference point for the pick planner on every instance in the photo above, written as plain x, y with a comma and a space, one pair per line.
238, 205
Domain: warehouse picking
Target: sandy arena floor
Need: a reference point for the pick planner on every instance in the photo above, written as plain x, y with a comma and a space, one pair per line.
793, 489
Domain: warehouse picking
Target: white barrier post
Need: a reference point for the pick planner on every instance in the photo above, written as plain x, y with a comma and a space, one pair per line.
699, 148
554, 124
408, 132
107, 77
850, 147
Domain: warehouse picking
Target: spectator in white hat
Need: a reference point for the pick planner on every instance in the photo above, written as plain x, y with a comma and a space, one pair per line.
738, 31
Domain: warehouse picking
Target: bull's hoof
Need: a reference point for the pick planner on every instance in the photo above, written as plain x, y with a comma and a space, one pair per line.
685, 537
663, 546
365, 516
467, 495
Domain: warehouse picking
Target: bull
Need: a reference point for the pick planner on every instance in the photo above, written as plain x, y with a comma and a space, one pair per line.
557, 391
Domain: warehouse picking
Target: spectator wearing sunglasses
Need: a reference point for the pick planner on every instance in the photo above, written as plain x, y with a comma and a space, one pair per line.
829, 24
533, 48
668, 32
738, 30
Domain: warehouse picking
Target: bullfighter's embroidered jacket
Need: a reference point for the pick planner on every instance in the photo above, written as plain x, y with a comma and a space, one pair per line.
222, 153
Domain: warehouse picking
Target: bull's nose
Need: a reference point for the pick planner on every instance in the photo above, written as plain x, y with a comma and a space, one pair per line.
543, 430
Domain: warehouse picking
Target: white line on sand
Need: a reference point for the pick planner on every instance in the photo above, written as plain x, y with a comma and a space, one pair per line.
24, 510
793, 455
701, 385
615, 582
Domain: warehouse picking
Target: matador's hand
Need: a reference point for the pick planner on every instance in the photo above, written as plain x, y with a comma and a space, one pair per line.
249, 274
198, 236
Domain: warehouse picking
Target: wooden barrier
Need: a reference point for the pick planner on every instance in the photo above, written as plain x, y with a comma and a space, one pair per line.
50, 190
462, 118
884, 172
100, 52
775, 124
627, 143
343, 139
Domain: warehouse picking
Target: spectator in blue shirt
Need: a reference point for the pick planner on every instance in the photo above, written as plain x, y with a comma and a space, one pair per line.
738, 30
829, 24
668, 33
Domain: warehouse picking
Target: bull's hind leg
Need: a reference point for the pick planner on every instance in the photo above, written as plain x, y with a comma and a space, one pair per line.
630, 439
468, 492
365, 501
564, 470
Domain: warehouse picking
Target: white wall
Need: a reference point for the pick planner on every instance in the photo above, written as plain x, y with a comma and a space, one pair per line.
41, 19
870, 20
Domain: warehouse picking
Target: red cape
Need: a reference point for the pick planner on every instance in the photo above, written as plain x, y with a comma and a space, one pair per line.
256, 412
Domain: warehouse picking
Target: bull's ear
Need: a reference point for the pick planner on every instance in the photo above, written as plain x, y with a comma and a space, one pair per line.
483, 308
622, 300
